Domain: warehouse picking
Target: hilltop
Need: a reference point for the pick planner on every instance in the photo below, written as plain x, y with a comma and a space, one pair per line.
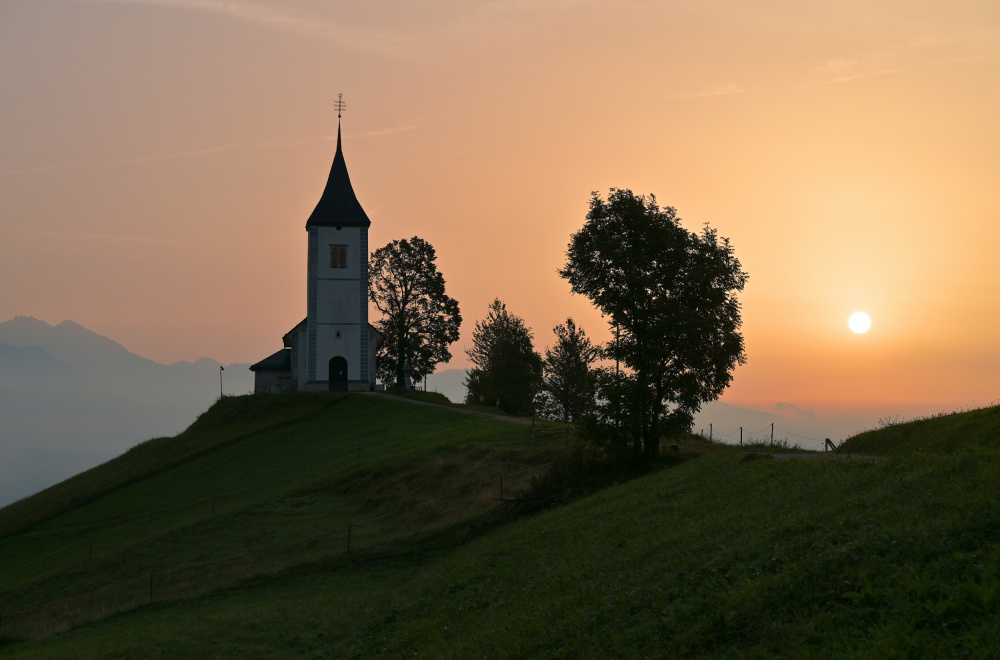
718, 554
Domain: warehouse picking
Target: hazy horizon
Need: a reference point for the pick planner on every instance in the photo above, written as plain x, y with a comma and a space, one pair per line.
72, 399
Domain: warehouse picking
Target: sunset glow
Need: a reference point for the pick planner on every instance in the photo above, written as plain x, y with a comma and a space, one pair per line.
161, 158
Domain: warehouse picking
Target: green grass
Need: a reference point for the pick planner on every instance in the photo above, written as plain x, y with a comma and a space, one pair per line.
715, 554
426, 397
942, 434
257, 484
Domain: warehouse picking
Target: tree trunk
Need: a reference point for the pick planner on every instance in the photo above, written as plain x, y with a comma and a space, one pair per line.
652, 440
400, 358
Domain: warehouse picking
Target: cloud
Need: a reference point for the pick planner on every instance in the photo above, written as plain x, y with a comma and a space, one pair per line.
84, 237
791, 410
843, 69
136, 159
402, 128
379, 132
400, 42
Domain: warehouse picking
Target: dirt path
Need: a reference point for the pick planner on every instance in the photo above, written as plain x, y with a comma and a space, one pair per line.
826, 455
464, 411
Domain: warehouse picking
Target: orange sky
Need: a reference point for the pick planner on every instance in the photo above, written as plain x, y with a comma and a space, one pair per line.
160, 157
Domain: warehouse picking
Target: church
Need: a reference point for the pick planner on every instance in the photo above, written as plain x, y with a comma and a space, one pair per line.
334, 347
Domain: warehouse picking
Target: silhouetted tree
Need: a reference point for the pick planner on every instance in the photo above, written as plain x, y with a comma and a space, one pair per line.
419, 319
670, 296
507, 368
568, 379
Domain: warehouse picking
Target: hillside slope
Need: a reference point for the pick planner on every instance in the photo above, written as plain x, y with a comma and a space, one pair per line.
727, 555
253, 474
942, 434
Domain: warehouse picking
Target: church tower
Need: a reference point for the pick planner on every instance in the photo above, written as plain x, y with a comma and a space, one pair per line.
334, 346
338, 343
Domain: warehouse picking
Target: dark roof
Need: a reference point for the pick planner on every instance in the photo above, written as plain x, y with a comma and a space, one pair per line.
286, 339
338, 206
280, 361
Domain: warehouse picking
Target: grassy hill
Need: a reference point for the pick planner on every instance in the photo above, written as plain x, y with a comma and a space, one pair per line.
242, 521
949, 433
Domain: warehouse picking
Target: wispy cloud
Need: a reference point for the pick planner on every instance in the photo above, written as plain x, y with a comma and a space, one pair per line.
122, 161
402, 128
905, 56
379, 132
406, 42
790, 410
844, 69
85, 237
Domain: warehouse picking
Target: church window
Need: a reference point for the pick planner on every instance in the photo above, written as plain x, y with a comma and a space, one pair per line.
338, 256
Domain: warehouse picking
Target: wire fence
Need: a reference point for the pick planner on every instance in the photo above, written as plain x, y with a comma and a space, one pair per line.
112, 591
763, 436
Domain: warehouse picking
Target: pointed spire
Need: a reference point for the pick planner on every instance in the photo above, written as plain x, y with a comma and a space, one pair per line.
338, 206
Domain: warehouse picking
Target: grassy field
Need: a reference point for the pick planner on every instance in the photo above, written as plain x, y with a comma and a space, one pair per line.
724, 554
257, 484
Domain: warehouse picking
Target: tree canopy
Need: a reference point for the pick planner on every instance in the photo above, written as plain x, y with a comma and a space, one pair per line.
419, 320
670, 297
567, 391
507, 370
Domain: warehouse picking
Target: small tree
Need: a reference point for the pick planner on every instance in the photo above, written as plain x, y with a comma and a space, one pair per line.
670, 296
419, 319
568, 379
507, 368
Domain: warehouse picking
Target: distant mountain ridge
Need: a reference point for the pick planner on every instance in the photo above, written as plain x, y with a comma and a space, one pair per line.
31, 362
71, 398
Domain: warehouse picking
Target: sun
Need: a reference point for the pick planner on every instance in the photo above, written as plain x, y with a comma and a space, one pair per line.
859, 322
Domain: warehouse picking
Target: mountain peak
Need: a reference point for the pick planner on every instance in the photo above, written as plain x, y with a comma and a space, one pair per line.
26, 322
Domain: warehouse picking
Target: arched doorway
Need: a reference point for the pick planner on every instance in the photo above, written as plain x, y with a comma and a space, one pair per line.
338, 374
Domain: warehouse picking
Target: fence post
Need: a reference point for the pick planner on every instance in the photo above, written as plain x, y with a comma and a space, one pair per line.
709, 432
349, 537
772, 434
741, 436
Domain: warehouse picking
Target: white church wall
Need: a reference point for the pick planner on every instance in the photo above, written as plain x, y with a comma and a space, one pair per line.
328, 345
338, 301
301, 358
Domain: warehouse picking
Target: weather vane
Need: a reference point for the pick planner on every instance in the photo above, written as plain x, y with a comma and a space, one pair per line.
340, 105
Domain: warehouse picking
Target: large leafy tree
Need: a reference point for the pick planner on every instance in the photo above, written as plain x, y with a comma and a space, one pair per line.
419, 320
568, 378
506, 367
670, 297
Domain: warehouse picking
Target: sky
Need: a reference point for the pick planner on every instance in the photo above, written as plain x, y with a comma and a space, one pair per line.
159, 159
